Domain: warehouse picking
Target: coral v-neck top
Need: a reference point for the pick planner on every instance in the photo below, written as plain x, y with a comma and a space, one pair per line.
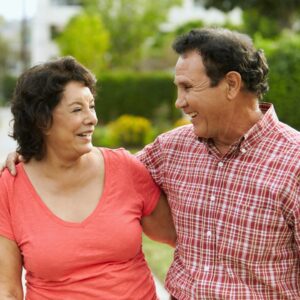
98, 258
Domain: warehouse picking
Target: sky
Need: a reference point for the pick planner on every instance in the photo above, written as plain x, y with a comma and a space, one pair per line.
13, 9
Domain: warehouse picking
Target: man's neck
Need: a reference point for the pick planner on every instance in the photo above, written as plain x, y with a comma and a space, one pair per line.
242, 119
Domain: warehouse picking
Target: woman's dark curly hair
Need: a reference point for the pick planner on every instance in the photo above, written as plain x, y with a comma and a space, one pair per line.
223, 51
37, 93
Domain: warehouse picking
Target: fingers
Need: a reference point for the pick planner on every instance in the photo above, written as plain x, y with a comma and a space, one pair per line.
12, 159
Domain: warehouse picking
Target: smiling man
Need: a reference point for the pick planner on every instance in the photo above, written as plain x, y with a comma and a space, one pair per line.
232, 177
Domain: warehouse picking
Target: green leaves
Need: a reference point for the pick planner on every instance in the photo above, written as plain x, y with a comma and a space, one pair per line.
86, 38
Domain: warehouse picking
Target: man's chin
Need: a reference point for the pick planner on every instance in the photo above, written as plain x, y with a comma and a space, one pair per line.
199, 133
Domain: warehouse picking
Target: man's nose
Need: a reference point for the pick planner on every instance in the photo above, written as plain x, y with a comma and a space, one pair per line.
180, 102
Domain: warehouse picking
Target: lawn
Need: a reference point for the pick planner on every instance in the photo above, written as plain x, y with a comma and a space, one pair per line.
159, 257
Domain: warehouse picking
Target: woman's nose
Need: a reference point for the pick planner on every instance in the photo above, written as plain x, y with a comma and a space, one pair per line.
92, 117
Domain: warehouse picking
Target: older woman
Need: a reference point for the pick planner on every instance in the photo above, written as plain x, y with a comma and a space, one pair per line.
72, 215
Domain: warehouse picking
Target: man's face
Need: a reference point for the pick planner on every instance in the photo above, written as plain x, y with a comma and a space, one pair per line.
206, 106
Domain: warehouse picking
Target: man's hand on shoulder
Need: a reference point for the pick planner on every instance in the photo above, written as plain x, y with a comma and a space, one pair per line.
12, 159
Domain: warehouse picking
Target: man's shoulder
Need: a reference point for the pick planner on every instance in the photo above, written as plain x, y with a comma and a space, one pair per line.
184, 132
290, 135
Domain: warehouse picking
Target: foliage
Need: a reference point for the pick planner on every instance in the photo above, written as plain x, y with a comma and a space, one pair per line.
268, 17
131, 131
130, 23
283, 57
186, 27
255, 22
85, 38
138, 94
6, 55
126, 131
159, 257
182, 121
9, 83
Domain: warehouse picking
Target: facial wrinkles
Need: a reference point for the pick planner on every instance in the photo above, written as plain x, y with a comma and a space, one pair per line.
190, 72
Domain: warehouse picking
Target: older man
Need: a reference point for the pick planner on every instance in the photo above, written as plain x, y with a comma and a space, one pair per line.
232, 177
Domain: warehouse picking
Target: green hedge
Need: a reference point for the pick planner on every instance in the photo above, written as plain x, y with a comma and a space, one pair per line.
149, 95
284, 78
8, 84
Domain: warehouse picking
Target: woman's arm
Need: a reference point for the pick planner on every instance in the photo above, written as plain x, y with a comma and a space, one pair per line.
159, 224
10, 270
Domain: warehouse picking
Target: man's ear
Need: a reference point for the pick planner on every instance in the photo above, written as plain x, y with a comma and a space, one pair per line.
234, 83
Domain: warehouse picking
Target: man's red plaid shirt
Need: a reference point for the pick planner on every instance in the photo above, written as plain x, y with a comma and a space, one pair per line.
237, 217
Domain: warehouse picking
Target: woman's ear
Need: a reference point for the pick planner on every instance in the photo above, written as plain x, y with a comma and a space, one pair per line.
234, 83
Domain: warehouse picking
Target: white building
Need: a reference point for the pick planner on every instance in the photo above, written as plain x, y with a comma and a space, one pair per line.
51, 16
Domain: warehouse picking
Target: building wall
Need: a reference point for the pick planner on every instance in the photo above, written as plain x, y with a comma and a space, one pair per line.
50, 14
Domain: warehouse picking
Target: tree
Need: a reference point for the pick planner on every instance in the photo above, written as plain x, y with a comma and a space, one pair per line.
130, 23
85, 38
6, 56
268, 17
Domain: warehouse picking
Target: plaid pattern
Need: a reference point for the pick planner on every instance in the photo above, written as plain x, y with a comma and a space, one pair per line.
237, 217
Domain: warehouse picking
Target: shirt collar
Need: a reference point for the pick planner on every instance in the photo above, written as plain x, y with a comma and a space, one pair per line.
258, 131
262, 128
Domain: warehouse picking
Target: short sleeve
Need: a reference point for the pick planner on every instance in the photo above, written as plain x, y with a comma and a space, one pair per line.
152, 157
144, 185
5, 208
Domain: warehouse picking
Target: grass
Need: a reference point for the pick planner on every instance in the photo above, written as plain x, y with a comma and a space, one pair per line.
159, 257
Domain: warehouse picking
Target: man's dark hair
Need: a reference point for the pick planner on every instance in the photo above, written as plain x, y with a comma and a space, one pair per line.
223, 51
38, 91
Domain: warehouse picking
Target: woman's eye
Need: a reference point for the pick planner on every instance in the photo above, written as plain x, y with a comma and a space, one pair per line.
92, 107
76, 109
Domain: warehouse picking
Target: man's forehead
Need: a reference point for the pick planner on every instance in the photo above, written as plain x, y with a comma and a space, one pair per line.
190, 60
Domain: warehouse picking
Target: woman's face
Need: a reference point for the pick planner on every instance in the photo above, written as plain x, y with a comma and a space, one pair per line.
74, 120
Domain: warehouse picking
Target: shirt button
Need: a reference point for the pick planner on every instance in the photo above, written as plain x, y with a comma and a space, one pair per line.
208, 233
243, 150
206, 268
220, 164
212, 198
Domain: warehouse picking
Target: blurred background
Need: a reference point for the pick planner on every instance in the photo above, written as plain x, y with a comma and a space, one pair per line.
127, 44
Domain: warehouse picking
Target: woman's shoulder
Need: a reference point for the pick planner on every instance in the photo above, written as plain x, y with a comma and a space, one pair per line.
10, 184
120, 156
121, 153
7, 179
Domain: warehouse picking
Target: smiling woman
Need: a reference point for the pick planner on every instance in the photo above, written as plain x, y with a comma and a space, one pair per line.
74, 120
73, 215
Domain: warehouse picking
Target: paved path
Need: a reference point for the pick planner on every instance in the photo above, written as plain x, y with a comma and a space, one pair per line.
7, 144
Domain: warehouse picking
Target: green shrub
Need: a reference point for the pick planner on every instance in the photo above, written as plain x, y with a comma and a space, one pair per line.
283, 57
8, 85
180, 122
137, 94
127, 131
101, 137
